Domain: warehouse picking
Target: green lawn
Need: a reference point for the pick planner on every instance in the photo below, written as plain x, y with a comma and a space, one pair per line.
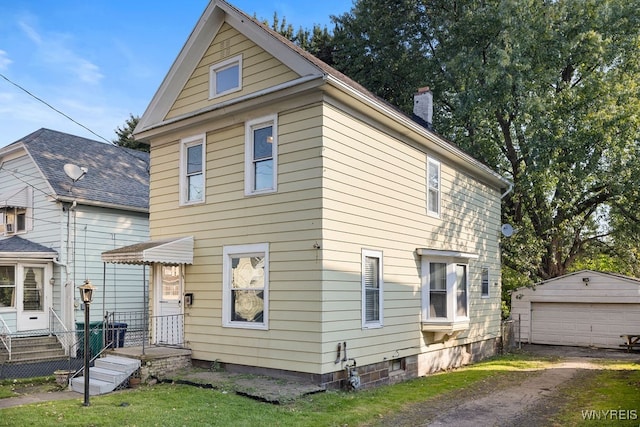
612, 397
182, 405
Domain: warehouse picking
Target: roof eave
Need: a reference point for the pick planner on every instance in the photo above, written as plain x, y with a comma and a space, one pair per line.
406, 126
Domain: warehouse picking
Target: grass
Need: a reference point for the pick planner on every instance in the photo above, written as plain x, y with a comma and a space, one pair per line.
178, 405
611, 397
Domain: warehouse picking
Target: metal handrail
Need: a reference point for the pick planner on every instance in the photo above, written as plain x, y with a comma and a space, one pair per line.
5, 336
56, 326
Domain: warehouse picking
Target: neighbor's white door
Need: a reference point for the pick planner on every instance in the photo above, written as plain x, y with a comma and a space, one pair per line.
34, 297
168, 320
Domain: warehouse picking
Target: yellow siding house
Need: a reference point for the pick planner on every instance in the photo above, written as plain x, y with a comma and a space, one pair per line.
330, 235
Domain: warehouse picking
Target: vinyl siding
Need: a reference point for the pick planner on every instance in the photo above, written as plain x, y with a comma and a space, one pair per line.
288, 220
260, 71
374, 192
98, 230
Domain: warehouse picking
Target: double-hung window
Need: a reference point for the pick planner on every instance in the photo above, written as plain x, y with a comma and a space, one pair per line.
445, 290
261, 155
16, 213
245, 293
7, 286
192, 170
433, 187
484, 283
372, 289
225, 77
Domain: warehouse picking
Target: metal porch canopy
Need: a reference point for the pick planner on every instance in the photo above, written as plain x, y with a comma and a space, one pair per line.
171, 251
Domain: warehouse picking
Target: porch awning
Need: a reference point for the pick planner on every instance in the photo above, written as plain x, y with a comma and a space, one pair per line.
171, 251
15, 198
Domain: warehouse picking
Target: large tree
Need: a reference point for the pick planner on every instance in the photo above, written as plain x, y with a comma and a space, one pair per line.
546, 92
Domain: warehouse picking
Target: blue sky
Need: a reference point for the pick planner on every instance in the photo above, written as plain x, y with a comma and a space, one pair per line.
98, 61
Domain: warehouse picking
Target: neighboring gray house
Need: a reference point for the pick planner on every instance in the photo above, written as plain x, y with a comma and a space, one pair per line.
53, 229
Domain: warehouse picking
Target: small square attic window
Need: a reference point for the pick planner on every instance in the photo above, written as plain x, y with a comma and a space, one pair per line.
225, 77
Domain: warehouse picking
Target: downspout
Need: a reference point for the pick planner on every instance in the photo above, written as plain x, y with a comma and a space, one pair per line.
509, 190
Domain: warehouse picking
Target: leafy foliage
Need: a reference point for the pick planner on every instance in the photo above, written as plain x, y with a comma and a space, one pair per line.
546, 92
125, 135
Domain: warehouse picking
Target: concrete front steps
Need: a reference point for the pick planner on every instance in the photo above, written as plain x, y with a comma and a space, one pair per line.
32, 349
107, 374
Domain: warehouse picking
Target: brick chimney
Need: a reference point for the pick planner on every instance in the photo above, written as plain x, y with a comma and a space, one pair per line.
423, 107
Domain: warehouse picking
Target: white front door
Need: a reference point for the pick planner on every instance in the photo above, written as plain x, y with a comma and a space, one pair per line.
168, 320
34, 296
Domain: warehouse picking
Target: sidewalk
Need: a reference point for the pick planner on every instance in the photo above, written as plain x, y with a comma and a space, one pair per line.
28, 399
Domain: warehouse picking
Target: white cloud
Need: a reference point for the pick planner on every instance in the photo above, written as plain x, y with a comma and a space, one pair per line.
55, 49
31, 33
4, 60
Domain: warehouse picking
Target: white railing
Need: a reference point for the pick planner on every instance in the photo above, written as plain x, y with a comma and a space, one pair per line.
57, 328
5, 336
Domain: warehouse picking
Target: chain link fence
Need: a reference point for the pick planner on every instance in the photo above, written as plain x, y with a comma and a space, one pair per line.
44, 352
510, 335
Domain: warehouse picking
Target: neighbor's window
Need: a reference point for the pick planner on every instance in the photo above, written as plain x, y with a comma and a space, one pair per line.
192, 177
246, 286
484, 283
16, 213
433, 187
7, 286
261, 155
446, 296
372, 289
225, 77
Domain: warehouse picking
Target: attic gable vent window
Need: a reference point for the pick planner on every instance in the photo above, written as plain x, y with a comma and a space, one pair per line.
225, 77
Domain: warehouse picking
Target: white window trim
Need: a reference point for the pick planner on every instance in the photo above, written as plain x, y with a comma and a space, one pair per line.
434, 163
366, 253
185, 143
452, 312
215, 68
249, 170
488, 294
250, 250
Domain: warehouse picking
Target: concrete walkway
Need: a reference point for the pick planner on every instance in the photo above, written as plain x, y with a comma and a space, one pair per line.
28, 399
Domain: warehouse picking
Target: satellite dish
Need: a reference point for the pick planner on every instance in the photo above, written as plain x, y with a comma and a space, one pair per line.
507, 230
75, 172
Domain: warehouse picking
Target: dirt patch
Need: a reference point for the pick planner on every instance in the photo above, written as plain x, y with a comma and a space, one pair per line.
525, 399
266, 389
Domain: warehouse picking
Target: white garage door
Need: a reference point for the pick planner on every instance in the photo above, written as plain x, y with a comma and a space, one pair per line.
598, 325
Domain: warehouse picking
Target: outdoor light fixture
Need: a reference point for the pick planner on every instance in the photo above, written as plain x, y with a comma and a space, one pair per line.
86, 295
586, 281
86, 292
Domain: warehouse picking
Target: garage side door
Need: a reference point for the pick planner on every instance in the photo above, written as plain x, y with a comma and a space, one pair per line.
576, 324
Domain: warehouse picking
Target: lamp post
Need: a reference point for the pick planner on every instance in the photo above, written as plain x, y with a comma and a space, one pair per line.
86, 295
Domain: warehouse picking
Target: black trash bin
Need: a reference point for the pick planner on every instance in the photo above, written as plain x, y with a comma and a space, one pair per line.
115, 334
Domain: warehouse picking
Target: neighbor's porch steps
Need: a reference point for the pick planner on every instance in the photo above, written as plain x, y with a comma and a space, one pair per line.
107, 374
33, 349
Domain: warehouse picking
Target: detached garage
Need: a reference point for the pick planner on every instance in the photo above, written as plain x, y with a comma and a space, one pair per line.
586, 308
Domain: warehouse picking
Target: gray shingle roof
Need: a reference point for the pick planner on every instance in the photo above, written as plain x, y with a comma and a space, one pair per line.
116, 175
18, 244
